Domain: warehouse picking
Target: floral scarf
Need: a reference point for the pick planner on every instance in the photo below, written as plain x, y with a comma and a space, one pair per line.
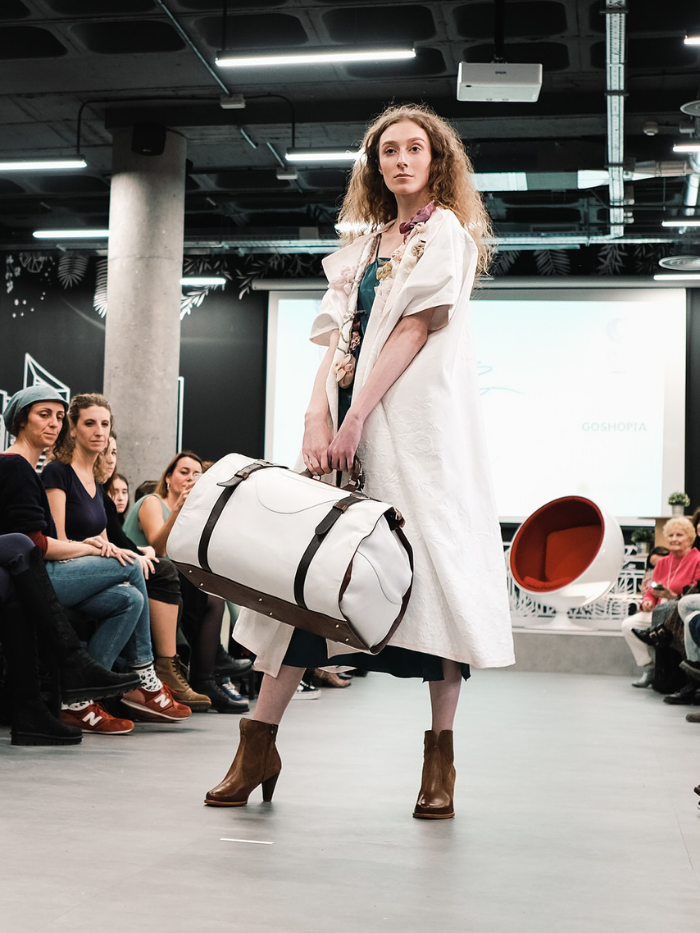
349, 281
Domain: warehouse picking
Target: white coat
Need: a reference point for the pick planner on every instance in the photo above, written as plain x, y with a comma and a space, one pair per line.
422, 450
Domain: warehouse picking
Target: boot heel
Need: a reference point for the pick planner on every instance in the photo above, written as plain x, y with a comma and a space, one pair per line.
268, 787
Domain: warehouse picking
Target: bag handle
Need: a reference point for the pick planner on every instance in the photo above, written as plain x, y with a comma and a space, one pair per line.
356, 482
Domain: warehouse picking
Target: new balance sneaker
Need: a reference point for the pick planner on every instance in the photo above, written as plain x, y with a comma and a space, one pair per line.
95, 720
156, 705
306, 692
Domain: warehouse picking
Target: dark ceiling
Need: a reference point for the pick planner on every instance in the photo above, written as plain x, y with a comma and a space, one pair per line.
58, 54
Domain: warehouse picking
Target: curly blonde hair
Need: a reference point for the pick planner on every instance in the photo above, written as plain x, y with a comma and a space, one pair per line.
64, 448
368, 203
680, 524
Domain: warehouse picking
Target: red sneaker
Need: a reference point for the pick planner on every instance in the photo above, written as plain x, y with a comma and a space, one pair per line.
96, 720
156, 705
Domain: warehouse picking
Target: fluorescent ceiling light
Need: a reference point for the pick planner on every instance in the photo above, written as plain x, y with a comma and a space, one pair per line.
500, 181
688, 222
40, 165
686, 147
592, 178
70, 234
321, 57
692, 40
321, 155
203, 280
677, 276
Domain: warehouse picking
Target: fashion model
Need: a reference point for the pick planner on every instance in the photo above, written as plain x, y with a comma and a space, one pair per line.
398, 388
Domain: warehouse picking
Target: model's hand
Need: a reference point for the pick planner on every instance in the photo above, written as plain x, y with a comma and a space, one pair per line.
317, 437
149, 552
647, 605
341, 453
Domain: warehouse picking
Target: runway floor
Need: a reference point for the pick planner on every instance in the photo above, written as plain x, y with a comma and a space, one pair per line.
575, 813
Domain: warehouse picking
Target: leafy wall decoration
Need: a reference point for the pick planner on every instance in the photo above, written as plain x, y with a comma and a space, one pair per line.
611, 259
504, 261
193, 298
267, 265
553, 261
72, 268
100, 298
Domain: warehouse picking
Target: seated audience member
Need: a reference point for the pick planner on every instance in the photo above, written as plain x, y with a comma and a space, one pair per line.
72, 483
696, 521
117, 488
671, 576
689, 611
32, 722
162, 586
145, 489
643, 653
150, 521
76, 574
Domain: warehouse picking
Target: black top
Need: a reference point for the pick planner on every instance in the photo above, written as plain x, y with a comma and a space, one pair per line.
23, 504
85, 514
115, 532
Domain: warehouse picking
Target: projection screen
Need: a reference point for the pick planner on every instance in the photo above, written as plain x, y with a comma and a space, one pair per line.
583, 392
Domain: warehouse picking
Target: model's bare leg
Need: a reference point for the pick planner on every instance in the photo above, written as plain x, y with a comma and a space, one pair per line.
275, 694
257, 760
435, 800
444, 696
163, 628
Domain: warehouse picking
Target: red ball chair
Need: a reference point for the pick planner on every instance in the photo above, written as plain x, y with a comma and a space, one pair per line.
567, 554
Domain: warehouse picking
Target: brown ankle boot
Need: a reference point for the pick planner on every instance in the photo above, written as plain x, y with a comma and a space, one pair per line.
171, 673
435, 800
257, 761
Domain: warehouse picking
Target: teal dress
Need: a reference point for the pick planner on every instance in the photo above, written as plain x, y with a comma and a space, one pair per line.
131, 526
309, 650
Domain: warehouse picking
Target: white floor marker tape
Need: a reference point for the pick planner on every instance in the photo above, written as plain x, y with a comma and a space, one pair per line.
257, 842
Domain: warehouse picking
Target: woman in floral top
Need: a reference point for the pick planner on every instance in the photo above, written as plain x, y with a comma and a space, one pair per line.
398, 388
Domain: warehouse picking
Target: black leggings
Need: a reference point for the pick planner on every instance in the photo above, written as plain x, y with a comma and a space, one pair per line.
201, 625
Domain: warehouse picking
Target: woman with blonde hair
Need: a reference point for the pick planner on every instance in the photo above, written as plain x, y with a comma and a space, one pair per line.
73, 483
398, 388
673, 575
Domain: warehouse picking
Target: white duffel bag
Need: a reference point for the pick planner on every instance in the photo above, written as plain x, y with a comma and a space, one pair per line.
330, 561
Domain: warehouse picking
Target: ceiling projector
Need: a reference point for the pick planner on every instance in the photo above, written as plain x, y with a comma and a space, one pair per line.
499, 82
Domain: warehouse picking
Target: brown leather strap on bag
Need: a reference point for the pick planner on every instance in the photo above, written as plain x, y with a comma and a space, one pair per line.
321, 530
230, 486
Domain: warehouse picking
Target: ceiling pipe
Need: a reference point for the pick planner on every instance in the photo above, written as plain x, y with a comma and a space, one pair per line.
188, 41
615, 12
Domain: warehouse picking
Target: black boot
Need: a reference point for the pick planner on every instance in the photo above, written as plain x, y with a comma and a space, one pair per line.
226, 666
31, 721
686, 696
221, 702
657, 636
81, 677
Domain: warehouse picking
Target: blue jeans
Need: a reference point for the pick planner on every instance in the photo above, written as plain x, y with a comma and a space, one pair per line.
689, 611
114, 595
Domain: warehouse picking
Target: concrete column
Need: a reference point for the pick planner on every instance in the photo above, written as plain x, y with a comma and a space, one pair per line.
142, 342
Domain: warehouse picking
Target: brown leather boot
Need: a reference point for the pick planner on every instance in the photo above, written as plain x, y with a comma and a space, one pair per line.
257, 761
435, 800
171, 673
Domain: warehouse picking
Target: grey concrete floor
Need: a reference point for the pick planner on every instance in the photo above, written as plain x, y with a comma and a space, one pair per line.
574, 801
